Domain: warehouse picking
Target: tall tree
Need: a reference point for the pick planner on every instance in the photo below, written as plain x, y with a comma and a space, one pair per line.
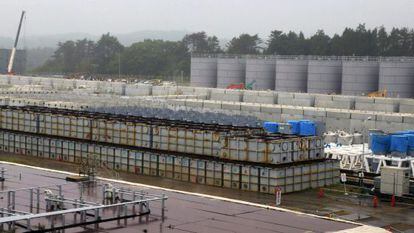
319, 44
106, 49
84, 54
400, 42
411, 50
382, 42
245, 44
155, 57
274, 43
65, 56
286, 44
337, 47
199, 42
213, 44
196, 42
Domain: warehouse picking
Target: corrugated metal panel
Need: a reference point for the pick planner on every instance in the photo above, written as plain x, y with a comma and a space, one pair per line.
261, 72
230, 71
324, 76
291, 75
397, 78
359, 77
203, 72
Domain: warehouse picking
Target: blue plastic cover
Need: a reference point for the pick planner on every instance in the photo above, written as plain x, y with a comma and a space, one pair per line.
410, 142
271, 127
380, 143
399, 143
295, 126
307, 128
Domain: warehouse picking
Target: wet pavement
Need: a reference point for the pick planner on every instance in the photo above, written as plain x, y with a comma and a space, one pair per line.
184, 212
354, 208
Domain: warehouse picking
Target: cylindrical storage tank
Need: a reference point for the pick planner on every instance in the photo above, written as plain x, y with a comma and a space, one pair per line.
397, 77
230, 71
203, 71
261, 72
359, 77
325, 76
291, 75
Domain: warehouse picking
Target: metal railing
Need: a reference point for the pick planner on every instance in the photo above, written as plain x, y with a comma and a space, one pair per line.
306, 57
90, 212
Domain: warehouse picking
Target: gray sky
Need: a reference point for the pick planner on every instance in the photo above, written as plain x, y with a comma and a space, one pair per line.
224, 18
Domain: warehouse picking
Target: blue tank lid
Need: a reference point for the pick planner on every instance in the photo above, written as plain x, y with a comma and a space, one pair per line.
410, 141
295, 126
399, 143
380, 143
271, 127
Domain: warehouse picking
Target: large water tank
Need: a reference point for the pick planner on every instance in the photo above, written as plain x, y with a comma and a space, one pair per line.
261, 72
203, 71
325, 76
397, 77
291, 75
230, 71
359, 77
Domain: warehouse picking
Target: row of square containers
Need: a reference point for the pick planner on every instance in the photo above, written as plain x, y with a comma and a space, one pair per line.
399, 143
235, 143
363, 103
226, 174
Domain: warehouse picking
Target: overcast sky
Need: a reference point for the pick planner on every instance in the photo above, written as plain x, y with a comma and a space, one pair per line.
224, 18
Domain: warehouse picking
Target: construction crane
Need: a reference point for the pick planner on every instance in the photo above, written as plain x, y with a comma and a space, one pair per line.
13, 52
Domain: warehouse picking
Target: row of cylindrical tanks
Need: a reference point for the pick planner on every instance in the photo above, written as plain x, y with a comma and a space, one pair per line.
226, 174
208, 140
326, 75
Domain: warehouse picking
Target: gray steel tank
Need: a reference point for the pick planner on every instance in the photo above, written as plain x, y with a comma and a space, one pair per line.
261, 72
359, 77
291, 74
397, 77
325, 76
203, 71
230, 71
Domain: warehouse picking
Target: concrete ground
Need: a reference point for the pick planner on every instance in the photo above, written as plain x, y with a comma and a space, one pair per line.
333, 204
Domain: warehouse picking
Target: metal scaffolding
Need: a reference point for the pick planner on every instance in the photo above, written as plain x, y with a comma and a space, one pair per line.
61, 213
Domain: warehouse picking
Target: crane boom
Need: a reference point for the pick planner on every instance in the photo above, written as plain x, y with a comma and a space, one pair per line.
13, 52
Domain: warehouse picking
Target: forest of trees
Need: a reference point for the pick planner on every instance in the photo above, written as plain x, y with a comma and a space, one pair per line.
158, 57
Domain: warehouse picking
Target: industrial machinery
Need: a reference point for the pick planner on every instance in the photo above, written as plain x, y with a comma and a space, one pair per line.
395, 181
13, 52
239, 86
382, 93
242, 86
